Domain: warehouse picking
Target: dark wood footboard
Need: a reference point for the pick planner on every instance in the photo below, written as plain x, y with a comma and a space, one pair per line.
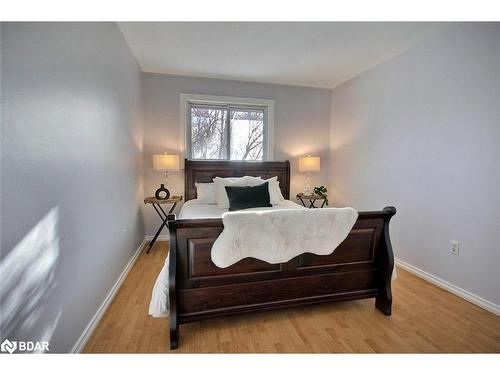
361, 267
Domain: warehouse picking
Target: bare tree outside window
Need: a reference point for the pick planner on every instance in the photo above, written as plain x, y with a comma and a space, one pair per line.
226, 133
209, 136
246, 136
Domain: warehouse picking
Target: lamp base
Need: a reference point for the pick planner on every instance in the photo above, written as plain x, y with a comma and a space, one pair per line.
307, 187
162, 192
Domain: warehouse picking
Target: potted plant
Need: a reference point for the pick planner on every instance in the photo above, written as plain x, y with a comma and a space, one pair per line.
322, 192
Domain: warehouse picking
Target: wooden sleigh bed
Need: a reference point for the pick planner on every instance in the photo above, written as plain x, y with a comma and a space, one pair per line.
361, 267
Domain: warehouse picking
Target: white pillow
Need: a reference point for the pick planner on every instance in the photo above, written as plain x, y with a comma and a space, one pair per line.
205, 192
274, 188
220, 191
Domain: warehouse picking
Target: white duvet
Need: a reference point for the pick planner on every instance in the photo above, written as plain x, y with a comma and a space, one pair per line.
158, 307
194, 210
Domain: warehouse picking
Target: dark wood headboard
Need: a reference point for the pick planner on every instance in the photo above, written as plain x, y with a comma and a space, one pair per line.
205, 171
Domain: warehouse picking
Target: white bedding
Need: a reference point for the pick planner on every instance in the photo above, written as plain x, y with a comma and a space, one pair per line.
193, 209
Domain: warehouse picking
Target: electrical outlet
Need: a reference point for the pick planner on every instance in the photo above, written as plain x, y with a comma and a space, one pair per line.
454, 247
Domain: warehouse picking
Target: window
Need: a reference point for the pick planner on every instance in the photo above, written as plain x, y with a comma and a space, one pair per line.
222, 128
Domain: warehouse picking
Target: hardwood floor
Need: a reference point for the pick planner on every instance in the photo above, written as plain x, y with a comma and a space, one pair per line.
425, 319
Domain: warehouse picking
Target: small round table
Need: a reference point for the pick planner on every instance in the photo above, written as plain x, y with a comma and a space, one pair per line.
156, 203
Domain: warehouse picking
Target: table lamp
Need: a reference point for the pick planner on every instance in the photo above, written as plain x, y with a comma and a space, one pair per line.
309, 164
165, 163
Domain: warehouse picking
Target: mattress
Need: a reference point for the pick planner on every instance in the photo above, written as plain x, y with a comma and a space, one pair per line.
192, 209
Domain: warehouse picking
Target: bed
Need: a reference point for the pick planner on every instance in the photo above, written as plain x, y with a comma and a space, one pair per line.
360, 267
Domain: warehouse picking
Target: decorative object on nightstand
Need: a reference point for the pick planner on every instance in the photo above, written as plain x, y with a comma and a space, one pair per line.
309, 164
165, 163
156, 203
312, 198
321, 190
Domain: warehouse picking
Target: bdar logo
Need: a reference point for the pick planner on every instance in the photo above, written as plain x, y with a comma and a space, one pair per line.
8, 346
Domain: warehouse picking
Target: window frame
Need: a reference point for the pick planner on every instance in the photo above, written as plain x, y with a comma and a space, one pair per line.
228, 102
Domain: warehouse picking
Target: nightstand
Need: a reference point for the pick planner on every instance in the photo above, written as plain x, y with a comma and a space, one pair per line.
156, 203
312, 199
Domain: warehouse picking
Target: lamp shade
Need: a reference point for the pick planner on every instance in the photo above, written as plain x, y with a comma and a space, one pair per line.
166, 162
309, 164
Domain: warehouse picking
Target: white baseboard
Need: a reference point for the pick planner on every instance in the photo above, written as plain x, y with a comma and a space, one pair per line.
87, 332
163, 237
466, 295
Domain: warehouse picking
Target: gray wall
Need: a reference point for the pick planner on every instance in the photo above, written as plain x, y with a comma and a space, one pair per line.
301, 126
71, 174
422, 132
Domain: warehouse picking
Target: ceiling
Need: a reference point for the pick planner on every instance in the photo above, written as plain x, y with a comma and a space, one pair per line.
321, 54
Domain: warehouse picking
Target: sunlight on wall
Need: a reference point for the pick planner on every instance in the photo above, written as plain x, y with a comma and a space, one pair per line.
301, 148
27, 279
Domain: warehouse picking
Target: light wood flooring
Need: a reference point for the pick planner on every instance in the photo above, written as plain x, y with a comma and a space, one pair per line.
425, 319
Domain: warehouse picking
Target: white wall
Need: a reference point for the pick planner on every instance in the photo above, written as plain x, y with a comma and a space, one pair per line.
71, 174
301, 126
422, 132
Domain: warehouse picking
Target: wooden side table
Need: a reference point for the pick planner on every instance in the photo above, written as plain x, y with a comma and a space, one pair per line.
312, 199
156, 203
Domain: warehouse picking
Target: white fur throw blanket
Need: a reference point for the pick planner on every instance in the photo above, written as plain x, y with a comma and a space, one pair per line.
276, 236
